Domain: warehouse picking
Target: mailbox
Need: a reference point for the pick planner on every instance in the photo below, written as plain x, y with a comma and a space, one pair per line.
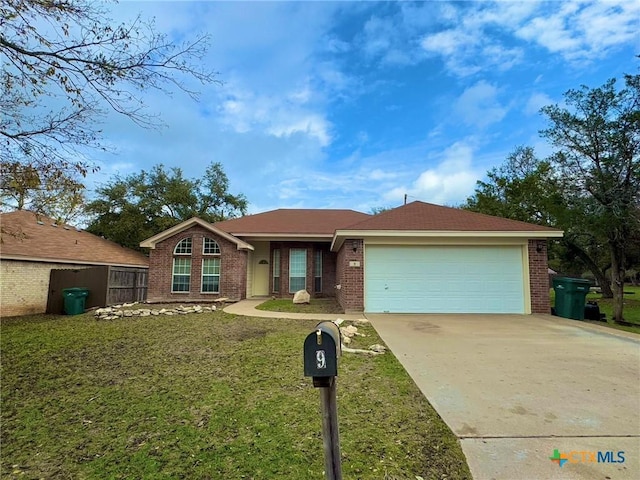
321, 353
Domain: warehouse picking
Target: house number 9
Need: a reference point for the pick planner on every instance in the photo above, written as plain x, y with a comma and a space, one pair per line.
321, 361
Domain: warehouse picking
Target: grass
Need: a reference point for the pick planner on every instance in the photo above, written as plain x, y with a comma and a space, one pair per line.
203, 396
631, 308
317, 305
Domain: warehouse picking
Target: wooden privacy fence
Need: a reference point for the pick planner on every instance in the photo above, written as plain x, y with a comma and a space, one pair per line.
108, 285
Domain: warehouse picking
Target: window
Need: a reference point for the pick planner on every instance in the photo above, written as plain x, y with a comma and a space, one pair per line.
297, 269
183, 247
211, 275
210, 247
317, 272
276, 270
181, 274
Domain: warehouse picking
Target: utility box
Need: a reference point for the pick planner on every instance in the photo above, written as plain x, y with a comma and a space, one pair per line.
322, 349
74, 300
571, 297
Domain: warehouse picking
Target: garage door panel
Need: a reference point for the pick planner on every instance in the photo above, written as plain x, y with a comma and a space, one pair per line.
444, 279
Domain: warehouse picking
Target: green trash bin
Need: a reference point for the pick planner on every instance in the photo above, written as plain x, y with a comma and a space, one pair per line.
571, 297
74, 299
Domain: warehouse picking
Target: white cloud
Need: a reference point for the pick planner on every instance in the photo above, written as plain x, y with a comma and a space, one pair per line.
282, 115
448, 183
468, 51
479, 106
584, 31
314, 126
480, 36
536, 102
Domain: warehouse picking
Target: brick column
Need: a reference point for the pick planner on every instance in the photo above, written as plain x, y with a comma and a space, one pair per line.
539, 276
351, 278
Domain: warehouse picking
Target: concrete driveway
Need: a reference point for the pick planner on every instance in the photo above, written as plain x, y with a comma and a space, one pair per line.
514, 388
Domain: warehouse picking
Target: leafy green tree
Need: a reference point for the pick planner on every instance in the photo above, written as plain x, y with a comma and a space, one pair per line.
528, 189
138, 206
590, 187
597, 137
65, 63
22, 187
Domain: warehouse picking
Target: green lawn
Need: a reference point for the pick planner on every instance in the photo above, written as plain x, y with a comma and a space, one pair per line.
631, 307
316, 305
206, 396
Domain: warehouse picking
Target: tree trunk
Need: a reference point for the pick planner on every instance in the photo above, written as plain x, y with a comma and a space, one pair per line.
617, 279
598, 273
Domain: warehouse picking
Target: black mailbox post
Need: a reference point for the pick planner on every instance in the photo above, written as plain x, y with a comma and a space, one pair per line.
322, 350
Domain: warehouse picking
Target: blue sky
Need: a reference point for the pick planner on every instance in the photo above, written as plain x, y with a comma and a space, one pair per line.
355, 104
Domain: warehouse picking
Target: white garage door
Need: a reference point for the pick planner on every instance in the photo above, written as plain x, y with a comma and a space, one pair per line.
456, 279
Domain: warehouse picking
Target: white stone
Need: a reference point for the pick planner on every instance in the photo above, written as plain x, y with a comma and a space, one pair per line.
145, 314
301, 296
378, 348
349, 331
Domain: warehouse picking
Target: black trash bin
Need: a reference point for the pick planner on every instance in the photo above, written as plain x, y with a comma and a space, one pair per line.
74, 300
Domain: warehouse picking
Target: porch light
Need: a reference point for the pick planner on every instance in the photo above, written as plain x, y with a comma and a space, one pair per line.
355, 246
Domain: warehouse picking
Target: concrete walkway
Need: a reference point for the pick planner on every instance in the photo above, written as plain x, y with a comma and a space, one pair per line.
515, 388
248, 309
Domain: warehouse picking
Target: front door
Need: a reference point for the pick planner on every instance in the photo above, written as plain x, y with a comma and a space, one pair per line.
261, 269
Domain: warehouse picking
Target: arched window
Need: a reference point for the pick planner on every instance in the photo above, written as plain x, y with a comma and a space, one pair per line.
210, 282
183, 247
210, 247
181, 280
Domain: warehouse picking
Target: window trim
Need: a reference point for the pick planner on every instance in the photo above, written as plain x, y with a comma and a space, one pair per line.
275, 274
203, 275
291, 251
173, 275
318, 262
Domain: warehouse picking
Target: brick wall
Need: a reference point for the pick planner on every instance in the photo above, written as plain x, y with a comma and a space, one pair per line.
328, 268
233, 269
539, 276
24, 286
351, 279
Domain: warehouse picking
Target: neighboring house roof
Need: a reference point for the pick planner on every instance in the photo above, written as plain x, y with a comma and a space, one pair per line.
31, 237
292, 222
426, 219
151, 242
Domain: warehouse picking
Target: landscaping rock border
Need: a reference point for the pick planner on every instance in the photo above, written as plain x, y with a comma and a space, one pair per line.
116, 312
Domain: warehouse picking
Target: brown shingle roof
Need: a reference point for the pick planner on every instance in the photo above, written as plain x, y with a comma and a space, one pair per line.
36, 241
417, 216
293, 222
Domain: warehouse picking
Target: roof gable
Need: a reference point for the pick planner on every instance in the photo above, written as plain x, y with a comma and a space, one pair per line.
153, 241
421, 216
321, 222
33, 237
